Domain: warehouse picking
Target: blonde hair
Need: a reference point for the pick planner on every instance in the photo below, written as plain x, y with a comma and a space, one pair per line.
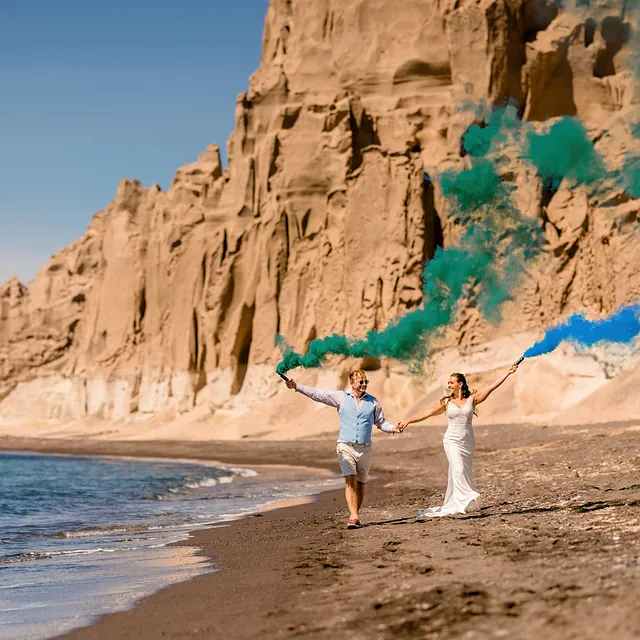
357, 373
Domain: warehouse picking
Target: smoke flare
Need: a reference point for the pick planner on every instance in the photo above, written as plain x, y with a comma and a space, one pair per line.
498, 243
487, 264
621, 327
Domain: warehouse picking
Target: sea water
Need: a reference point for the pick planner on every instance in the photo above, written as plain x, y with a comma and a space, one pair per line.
84, 536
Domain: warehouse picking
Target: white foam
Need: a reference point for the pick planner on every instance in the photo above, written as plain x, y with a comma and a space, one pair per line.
207, 482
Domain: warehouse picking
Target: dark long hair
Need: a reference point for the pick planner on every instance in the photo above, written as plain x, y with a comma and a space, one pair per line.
466, 392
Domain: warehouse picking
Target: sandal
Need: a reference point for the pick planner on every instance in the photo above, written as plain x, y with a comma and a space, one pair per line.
353, 524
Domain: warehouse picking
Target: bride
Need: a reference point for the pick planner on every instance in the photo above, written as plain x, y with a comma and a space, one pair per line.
460, 407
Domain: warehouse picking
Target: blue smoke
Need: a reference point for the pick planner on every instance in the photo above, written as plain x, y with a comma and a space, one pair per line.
622, 327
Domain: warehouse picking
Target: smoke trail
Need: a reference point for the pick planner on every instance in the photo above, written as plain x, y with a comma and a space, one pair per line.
621, 327
565, 151
562, 150
473, 187
492, 254
487, 263
498, 126
447, 277
631, 176
630, 173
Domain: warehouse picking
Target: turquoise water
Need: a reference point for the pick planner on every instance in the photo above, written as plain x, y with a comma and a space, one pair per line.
83, 536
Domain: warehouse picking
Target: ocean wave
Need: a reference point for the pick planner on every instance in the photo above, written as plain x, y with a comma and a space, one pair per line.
232, 473
207, 482
18, 585
89, 532
30, 556
243, 473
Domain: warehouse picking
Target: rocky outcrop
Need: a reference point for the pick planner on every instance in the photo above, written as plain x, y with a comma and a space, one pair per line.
322, 222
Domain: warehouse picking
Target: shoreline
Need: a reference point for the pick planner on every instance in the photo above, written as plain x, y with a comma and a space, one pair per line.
267, 470
554, 552
232, 571
236, 453
197, 539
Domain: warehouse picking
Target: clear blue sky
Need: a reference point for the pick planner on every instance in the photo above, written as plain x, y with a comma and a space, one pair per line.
95, 91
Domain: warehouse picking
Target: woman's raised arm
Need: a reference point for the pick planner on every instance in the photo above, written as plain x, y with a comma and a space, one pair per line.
481, 396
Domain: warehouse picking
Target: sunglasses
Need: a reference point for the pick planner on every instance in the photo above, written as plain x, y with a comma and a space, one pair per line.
363, 382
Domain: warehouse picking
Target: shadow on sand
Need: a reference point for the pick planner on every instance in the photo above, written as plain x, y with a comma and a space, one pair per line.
486, 512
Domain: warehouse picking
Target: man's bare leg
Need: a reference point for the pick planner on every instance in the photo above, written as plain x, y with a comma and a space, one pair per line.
360, 489
352, 495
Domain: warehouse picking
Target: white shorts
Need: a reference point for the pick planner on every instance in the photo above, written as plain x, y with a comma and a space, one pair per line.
354, 460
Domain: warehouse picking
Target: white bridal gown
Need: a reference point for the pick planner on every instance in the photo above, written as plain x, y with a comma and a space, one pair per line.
459, 443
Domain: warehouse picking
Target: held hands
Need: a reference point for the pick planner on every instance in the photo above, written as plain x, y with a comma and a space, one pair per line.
291, 384
401, 426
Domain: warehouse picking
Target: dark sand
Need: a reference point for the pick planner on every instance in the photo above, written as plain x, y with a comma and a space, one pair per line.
554, 553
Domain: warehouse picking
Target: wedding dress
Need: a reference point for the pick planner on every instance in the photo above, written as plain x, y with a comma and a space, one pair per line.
458, 443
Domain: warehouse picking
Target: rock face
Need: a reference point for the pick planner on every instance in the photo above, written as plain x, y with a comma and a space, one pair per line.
322, 222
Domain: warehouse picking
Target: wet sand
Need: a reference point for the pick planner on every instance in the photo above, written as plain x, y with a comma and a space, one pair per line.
553, 553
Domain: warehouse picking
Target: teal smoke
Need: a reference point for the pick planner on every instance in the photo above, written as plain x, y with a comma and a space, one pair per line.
492, 253
487, 263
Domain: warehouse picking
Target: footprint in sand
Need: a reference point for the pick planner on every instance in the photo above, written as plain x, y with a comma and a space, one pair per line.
391, 545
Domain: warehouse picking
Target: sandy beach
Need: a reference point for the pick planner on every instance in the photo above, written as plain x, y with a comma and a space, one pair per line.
553, 552
398, 191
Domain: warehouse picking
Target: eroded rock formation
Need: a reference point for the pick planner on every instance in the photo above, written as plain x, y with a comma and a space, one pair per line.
323, 221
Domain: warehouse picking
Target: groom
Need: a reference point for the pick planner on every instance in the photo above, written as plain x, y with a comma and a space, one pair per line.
358, 412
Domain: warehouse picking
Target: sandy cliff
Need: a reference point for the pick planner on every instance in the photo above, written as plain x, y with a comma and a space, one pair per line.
166, 309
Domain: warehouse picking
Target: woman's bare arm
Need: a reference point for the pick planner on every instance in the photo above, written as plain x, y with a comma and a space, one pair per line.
481, 396
419, 417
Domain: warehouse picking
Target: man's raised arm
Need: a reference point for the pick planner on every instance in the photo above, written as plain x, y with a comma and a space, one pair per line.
330, 398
